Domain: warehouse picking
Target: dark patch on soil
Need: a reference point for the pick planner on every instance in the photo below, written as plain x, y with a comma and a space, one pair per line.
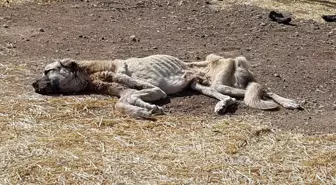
295, 61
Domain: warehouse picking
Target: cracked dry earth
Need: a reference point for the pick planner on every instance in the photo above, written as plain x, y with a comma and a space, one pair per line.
298, 61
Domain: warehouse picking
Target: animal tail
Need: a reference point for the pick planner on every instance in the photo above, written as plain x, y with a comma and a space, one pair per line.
253, 98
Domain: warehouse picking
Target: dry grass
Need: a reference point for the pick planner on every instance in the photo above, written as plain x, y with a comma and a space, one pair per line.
83, 140
302, 9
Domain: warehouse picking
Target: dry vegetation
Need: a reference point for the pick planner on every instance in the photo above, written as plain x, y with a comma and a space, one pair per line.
303, 9
83, 140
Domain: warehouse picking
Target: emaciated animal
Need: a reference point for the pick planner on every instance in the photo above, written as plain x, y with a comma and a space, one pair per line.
139, 81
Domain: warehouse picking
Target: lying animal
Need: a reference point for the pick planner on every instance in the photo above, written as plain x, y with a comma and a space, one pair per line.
138, 81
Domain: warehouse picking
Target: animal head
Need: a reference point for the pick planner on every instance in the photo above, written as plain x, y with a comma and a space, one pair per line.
61, 77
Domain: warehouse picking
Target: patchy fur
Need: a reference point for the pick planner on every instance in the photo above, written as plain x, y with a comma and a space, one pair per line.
138, 81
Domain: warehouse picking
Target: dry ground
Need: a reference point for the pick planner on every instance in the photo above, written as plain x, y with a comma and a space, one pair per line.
83, 140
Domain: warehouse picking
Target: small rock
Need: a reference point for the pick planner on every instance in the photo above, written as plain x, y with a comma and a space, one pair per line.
259, 16
330, 33
133, 38
276, 75
5, 26
83, 36
262, 24
7, 18
41, 30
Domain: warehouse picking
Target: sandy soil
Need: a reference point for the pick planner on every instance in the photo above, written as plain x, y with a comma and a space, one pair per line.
295, 61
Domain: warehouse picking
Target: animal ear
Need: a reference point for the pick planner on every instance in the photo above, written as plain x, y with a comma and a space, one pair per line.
70, 63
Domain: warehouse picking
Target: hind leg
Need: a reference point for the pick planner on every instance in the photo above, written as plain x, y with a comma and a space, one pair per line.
231, 91
285, 102
224, 102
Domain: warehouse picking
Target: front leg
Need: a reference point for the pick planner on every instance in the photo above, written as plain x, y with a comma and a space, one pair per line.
230, 91
123, 79
139, 98
224, 102
120, 90
109, 88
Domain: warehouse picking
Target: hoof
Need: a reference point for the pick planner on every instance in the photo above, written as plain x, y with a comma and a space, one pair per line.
144, 114
222, 106
292, 105
157, 110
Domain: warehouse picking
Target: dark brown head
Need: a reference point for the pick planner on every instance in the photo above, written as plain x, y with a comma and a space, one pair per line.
62, 77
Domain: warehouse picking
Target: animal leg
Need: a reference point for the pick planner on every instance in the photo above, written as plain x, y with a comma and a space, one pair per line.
109, 88
123, 79
224, 102
125, 107
231, 91
117, 89
139, 98
285, 102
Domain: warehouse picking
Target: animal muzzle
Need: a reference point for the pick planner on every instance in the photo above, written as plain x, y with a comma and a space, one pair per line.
45, 86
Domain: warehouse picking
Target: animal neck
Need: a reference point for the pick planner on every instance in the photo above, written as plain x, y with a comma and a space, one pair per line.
94, 66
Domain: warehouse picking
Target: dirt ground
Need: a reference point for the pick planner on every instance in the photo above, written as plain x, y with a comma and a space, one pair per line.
297, 61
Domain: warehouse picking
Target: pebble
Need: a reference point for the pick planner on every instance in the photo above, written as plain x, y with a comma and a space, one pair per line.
5, 26
83, 36
276, 75
330, 33
133, 38
41, 30
262, 24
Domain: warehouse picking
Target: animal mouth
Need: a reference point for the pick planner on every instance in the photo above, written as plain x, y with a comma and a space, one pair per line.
45, 87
